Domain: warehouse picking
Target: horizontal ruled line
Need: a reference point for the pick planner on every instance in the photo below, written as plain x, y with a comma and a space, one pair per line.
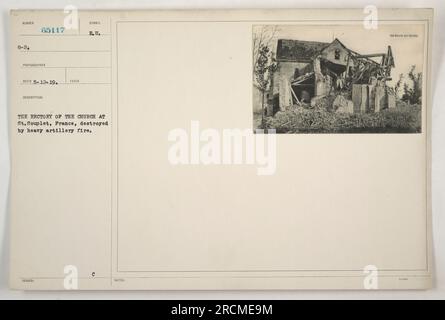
66, 51
63, 35
55, 85
52, 67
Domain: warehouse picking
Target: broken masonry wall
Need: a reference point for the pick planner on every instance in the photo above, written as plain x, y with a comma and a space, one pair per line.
323, 83
391, 100
286, 69
281, 94
380, 98
285, 97
371, 98
359, 97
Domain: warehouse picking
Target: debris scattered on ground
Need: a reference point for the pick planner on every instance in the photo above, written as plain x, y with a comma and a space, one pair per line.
341, 104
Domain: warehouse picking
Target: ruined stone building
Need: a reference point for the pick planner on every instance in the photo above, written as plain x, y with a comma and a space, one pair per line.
309, 70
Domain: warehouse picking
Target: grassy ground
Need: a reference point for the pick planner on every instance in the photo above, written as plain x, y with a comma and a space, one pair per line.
406, 119
257, 120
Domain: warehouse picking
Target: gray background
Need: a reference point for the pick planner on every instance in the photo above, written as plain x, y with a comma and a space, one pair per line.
438, 136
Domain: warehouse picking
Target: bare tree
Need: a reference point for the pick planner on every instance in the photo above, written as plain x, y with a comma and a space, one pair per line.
264, 68
262, 36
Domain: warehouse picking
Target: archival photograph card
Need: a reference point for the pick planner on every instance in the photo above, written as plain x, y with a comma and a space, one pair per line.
220, 149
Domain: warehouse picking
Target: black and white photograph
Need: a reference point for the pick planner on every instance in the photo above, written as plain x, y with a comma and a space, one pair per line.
222, 159
338, 79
